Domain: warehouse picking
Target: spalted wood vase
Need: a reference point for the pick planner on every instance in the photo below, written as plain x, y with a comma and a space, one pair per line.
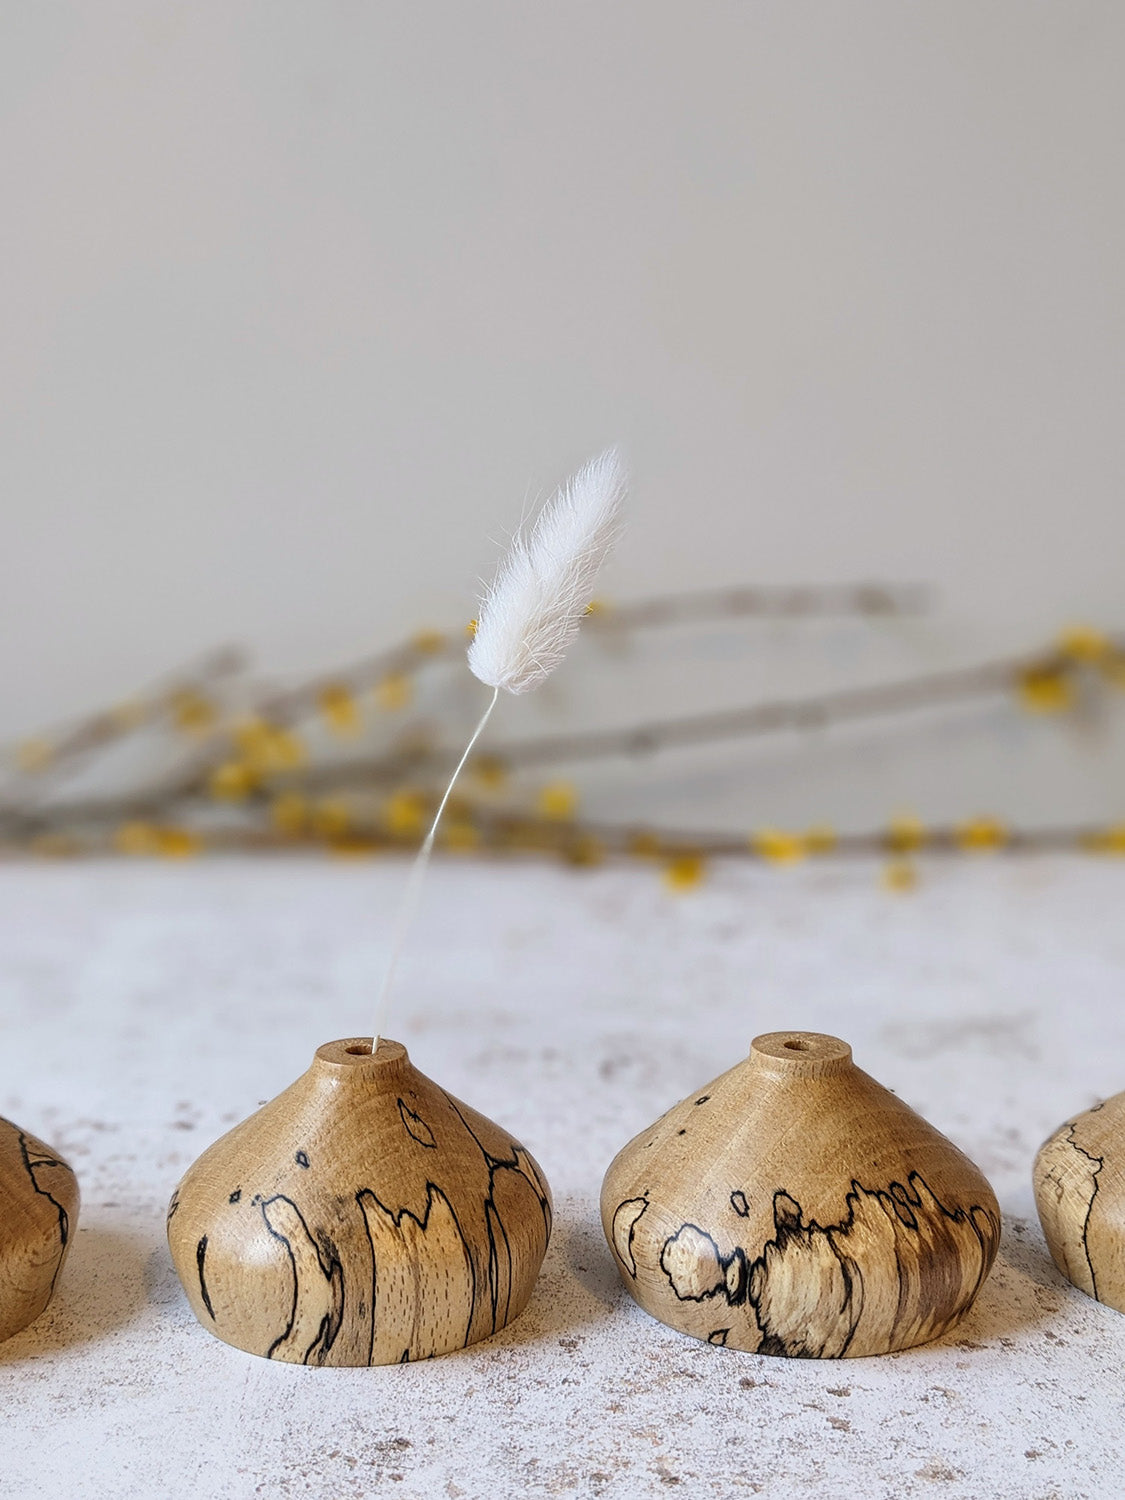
362, 1217
794, 1206
38, 1212
1079, 1180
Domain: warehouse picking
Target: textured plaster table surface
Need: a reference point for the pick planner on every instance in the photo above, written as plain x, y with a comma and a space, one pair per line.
144, 1009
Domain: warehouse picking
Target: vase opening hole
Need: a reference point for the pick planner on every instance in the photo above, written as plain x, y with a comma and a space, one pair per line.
357, 1049
795, 1044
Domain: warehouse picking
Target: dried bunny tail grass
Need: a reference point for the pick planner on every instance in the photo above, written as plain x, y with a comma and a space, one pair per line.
533, 609
528, 619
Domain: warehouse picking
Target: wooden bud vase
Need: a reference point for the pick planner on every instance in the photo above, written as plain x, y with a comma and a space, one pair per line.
38, 1211
1079, 1180
363, 1217
797, 1207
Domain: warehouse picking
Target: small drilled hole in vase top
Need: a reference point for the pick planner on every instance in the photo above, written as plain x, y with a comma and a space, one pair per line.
805, 1053
355, 1052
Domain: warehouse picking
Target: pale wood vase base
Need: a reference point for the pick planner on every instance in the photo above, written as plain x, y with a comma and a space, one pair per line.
38, 1212
1079, 1180
796, 1207
363, 1217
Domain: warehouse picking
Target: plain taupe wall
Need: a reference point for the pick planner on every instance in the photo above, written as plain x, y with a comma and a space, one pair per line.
298, 303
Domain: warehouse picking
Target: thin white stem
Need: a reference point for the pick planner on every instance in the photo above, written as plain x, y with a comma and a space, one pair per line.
408, 907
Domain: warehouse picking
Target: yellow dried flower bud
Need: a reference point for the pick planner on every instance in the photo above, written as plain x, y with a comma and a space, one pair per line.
905, 833
557, 801
684, 871
406, 813
490, 771
177, 843
340, 710
1083, 643
252, 738
192, 712
1109, 840
286, 751
778, 847
981, 834
584, 850
429, 642
1046, 690
820, 839
643, 844
394, 692
232, 782
266, 749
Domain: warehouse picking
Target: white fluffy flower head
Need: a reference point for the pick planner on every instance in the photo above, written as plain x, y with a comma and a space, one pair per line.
535, 605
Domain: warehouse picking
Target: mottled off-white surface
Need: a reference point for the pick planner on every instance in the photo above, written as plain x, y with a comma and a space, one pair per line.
144, 1009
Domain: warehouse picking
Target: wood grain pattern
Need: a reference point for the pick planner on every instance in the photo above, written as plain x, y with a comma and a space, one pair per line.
362, 1217
1079, 1180
38, 1212
796, 1207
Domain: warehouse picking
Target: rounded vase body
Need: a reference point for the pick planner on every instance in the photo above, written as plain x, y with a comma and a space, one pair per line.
38, 1212
796, 1207
362, 1217
1079, 1180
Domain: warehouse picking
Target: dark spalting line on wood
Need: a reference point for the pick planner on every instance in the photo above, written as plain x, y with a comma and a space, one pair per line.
288, 1329
497, 1241
1098, 1163
525, 1168
333, 1320
328, 1261
788, 1229
854, 1294
499, 1267
718, 1336
416, 1126
496, 1164
787, 1218
374, 1287
493, 1262
433, 1194
739, 1204
31, 1164
739, 1281
630, 1211
235, 1196
200, 1257
733, 1280
173, 1205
